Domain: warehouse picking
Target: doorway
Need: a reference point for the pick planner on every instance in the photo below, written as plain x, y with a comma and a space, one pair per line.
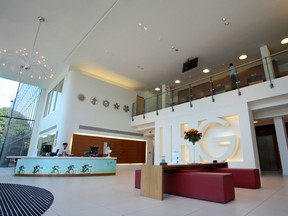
268, 148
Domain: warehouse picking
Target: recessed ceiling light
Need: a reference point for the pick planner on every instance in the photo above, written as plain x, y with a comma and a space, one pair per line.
223, 19
145, 28
227, 23
157, 89
242, 57
139, 24
177, 81
206, 70
284, 41
174, 48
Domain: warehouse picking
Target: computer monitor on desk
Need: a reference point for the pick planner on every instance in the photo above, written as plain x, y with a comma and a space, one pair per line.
93, 152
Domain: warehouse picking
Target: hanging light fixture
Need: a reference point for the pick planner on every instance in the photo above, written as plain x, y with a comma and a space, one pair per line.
22, 61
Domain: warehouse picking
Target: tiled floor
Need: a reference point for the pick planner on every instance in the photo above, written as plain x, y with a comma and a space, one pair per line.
116, 196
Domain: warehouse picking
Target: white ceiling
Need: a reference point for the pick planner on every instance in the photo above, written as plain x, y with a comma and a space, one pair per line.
102, 37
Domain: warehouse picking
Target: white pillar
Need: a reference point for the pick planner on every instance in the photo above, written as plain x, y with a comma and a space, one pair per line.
267, 63
167, 145
254, 140
158, 144
150, 149
163, 96
282, 143
248, 140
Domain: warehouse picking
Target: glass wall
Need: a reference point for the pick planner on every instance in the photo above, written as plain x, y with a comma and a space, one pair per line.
19, 122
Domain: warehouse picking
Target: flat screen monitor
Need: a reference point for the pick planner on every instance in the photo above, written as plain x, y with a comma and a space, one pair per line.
46, 149
191, 63
93, 150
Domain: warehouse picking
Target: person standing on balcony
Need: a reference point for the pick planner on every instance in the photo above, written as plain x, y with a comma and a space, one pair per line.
233, 76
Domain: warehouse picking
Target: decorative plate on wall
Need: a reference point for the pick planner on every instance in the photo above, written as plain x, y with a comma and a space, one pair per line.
106, 103
126, 108
81, 97
94, 100
116, 106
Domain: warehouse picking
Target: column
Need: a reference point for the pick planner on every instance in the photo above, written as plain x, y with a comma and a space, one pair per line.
282, 143
267, 63
165, 96
150, 149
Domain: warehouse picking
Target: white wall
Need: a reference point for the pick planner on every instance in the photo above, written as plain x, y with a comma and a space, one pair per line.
43, 124
72, 112
84, 113
227, 123
229, 119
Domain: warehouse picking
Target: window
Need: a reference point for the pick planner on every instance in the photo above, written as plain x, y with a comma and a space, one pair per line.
53, 98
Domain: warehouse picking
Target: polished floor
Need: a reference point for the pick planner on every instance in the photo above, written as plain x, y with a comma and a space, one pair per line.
116, 196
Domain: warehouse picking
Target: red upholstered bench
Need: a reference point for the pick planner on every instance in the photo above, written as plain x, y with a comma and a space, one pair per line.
216, 187
243, 177
138, 176
138, 179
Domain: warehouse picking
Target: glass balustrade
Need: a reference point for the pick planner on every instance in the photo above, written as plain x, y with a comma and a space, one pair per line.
251, 73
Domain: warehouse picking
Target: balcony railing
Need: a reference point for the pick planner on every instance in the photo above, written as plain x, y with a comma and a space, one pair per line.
257, 71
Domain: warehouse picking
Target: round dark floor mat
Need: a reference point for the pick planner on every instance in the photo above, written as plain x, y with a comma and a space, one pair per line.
16, 200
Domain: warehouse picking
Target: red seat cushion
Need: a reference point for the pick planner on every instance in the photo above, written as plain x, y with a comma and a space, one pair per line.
137, 179
216, 187
243, 177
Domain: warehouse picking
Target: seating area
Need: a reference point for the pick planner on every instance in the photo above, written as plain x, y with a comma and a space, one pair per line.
216, 185
243, 177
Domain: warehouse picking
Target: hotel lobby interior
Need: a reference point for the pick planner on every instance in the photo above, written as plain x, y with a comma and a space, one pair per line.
129, 79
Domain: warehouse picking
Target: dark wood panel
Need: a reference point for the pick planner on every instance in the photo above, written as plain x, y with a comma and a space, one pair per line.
195, 166
126, 151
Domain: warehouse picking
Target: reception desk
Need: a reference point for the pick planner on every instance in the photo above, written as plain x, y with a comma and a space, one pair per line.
64, 166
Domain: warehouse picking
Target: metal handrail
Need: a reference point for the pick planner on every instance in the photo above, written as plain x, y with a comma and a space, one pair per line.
190, 85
